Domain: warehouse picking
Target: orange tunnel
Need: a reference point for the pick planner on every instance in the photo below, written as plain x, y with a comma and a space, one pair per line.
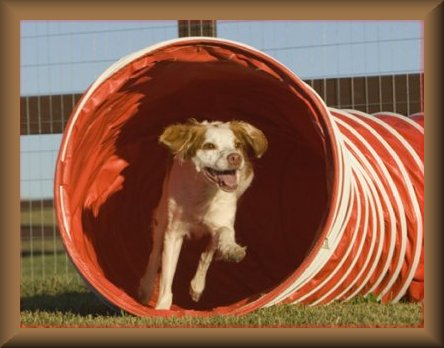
321, 221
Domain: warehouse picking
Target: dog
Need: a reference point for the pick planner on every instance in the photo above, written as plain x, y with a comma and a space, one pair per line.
210, 170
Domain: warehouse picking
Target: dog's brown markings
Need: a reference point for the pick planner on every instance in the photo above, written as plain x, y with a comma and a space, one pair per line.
250, 138
184, 139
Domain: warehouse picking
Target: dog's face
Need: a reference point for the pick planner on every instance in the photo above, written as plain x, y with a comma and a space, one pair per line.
218, 150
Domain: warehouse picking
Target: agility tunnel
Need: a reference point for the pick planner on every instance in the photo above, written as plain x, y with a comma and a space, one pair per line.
335, 209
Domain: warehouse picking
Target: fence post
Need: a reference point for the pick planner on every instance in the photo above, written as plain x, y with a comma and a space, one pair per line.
197, 28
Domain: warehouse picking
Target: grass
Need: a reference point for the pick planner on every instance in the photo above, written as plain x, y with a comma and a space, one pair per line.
35, 268
62, 299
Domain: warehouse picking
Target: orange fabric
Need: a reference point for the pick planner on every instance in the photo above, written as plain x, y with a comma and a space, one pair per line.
415, 138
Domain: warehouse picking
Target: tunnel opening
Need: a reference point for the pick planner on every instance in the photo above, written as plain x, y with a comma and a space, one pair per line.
110, 172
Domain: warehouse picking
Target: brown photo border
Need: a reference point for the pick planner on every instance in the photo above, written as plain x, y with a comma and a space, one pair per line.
13, 11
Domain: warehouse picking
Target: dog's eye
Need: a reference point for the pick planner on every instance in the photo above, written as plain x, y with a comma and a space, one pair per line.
237, 145
208, 146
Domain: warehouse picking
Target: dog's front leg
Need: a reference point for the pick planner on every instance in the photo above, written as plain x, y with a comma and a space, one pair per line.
170, 255
227, 247
146, 284
197, 284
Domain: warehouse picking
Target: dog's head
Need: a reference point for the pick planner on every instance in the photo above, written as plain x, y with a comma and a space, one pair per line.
219, 151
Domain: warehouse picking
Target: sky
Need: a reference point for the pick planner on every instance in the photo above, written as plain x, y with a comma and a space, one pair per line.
67, 56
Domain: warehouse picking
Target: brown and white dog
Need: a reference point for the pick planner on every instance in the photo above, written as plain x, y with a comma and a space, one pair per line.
210, 171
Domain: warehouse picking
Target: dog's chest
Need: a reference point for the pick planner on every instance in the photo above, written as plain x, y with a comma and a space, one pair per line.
206, 213
196, 203
218, 209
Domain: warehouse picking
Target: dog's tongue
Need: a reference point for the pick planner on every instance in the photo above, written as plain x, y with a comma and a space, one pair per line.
229, 180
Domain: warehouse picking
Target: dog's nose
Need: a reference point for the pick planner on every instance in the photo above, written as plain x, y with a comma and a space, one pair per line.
234, 160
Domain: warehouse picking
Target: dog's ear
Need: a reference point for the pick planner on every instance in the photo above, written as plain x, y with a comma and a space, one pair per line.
251, 136
180, 138
175, 137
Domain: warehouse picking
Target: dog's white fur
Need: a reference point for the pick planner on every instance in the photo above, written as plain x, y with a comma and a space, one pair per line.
209, 172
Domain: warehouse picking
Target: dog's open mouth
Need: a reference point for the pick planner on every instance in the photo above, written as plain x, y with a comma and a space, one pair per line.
225, 179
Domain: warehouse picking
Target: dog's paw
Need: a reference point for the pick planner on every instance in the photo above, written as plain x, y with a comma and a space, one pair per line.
143, 295
164, 302
232, 253
195, 294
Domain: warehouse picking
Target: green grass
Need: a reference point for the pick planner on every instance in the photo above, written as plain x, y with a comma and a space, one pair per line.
41, 265
61, 299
